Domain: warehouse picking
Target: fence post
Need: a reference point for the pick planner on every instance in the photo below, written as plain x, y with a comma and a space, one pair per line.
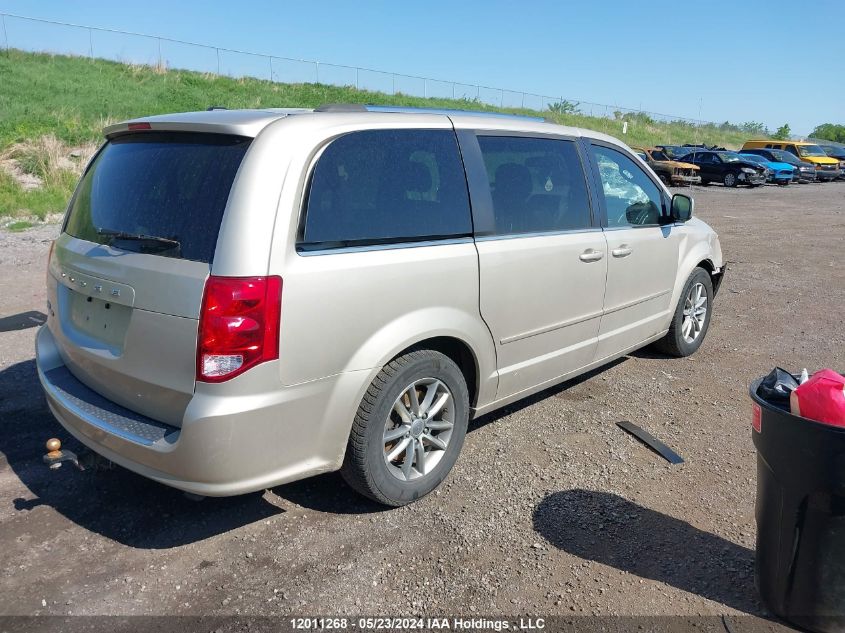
317, 71
357, 87
160, 61
218, 61
5, 34
271, 69
91, 43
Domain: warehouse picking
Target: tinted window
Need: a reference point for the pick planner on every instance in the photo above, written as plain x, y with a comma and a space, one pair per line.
383, 186
659, 156
165, 185
537, 184
631, 197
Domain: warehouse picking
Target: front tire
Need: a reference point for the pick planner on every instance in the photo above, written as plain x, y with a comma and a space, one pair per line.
409, 429
692, 317
730, 179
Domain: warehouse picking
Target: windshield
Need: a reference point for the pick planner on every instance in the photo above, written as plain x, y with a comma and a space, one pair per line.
731, 157
145, 191
674, 152
784, 157
754, 158
811, 150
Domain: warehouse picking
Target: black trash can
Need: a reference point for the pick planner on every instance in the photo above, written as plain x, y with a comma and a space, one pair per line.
800, 559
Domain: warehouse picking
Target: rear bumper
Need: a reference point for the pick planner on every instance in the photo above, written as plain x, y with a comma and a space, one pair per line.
231, 441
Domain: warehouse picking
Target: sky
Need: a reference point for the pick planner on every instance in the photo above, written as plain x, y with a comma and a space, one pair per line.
772, 61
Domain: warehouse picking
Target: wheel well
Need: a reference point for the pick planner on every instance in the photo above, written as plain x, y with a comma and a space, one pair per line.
460, 353
706, 265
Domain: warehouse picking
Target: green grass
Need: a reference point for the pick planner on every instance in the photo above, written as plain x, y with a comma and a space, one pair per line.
73, 98
52, 198
20, 225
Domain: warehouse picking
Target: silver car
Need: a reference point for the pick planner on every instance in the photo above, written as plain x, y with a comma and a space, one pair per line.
244, 298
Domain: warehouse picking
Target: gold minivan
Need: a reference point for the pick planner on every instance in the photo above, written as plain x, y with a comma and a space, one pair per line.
827, 168
437, 265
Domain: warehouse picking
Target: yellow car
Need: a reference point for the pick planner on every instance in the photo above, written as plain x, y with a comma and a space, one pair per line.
827, 168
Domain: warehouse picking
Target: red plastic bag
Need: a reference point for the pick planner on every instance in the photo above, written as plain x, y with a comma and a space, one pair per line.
821, 398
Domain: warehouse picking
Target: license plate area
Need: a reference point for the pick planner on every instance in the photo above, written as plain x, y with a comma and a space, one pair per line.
101, 322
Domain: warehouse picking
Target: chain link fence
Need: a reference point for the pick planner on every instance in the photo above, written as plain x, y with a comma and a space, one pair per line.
40, 35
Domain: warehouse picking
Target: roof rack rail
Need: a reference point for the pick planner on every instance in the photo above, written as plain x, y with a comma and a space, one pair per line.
341, 107
360, 107
212, 108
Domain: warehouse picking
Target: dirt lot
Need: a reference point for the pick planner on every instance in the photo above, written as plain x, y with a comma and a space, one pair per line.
550, 510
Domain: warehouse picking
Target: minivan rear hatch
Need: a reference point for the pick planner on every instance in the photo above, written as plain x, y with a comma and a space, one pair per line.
131, 264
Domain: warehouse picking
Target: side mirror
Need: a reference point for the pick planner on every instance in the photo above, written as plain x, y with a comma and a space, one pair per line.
682, 206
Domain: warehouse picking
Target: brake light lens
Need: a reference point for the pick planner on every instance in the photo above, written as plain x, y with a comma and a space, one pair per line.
134, 127
239, 325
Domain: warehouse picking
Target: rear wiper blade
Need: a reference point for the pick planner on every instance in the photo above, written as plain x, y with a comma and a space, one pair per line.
138, 237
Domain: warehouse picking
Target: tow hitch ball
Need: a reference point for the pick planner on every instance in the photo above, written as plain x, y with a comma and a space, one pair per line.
56, 456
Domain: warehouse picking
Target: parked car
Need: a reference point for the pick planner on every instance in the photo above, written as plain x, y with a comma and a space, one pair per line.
827, 168
729, 168
804, 172
837, 152
776, 172
671, 172
244, 298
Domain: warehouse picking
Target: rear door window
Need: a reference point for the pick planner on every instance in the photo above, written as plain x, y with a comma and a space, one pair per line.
387, 186
171, 188
537, 184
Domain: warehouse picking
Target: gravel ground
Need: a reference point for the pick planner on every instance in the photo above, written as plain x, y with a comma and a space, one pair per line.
550, 510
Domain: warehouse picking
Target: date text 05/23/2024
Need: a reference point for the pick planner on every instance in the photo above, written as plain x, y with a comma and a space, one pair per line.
418, 624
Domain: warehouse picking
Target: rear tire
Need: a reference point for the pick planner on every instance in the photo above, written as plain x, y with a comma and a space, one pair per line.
402, 444
689, 325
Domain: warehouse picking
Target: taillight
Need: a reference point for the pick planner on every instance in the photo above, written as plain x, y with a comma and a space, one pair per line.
239, 325
134, 127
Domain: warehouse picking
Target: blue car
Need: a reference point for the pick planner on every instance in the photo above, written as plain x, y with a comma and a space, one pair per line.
778, 173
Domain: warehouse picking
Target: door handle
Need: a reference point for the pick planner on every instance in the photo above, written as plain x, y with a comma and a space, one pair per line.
591, 255
623, 251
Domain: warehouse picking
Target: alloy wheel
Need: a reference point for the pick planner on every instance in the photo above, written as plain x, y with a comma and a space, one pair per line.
695, 313
418, 429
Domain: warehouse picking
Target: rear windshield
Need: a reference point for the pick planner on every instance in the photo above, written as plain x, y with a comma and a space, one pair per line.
158, 193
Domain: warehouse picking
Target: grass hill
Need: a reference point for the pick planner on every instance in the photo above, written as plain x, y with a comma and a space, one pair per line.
53, 109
